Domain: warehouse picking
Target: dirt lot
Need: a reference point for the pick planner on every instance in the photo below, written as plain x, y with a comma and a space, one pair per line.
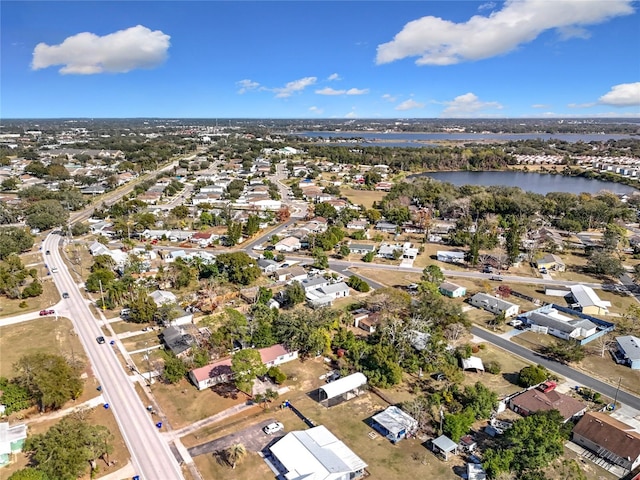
41, 335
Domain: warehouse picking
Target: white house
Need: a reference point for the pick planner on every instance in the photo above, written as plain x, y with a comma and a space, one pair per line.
315, 454
289, 244
163, 297
561, 326
326, 294
494, 305
450, 257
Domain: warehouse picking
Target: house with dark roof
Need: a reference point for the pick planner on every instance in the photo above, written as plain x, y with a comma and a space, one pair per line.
542, 398
610, 439
177, 341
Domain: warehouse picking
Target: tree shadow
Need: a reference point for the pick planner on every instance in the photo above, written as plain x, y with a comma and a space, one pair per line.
226, 390
512, 378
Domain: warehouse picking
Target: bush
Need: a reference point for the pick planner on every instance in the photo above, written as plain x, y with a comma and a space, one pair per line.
493, 367
532, 375
23, 304
277, 375
482, 346
34, 289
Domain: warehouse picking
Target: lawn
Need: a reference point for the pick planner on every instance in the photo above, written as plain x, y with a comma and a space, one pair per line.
389, 278
49, 297
126, 327
362, 197
183, 404
252, 466
41, 335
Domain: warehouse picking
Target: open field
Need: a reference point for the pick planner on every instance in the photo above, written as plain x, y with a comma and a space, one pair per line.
252, 466
48, 298
41, 335
362, 197
387, 277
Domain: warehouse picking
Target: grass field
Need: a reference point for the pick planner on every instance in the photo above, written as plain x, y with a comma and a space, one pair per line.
41, 335
362, 197
49, 297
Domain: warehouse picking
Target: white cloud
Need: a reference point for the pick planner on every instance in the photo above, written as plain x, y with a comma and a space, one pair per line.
409, 105
581, 105
246, 85
441, 42
623, 95
316, 110
487, 6
294, 86
539, 105
333, 76
389, 98
119, 52
351, 91
351, 114
467, 105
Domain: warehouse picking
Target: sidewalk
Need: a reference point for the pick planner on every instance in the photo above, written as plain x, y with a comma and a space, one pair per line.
94, 402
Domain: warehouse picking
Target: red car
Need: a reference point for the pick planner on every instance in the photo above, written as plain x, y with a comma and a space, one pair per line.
46, 312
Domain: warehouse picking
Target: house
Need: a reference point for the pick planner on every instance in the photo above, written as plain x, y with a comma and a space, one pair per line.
220, 371
361, 248
608, 438
315, 454
444, 446
394, 424
326, 294
551, 262
388, 251
357, 224
176, 341
204, 239
289, 244
371, 322
163, 297
344, 388
542, 398
386, 227
450, 257
475, 472
587, 301
292, 274
494, 305
267, 266
12, 440
561, 326
628, 351
359, 315
452, 290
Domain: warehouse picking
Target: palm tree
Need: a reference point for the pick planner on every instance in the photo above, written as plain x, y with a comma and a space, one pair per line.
235, 453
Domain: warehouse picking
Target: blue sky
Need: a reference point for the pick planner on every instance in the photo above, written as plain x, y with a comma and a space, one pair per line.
312, 59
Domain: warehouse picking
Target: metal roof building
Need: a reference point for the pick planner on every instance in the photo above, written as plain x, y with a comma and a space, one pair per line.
341, 388
316, 454
394, 424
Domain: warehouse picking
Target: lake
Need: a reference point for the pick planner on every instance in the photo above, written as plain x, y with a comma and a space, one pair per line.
406, 139
531, 182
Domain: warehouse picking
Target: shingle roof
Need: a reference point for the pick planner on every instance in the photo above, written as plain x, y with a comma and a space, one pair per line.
607, 432
535, 400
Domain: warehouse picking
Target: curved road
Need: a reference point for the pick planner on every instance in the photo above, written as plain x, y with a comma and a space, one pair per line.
150, 453
559, 368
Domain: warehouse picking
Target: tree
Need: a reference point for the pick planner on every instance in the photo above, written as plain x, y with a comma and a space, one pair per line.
99, 280
283, 214
368, 257
512, 239
565, 351
14, 240
532, 375
320, 259
14, 396
456, 425
432, 274
143, 308
239, 267
234, 233
45, 214
235, 453
480, 399
174, 368
253, 225
180, 212
294, 294
277, 375
605, 264
67, 448
497, 461
264, 295
326, 210
28, 473
247, 365
49, 379
344, 251
358, 284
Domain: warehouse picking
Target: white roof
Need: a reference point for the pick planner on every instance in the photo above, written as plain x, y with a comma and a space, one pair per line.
8, 435
630, 345
344, 385
472, 362
395, 420
586, 297
315, 454
162, 296
445, 444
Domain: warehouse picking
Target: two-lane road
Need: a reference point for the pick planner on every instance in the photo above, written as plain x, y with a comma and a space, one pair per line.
151, 456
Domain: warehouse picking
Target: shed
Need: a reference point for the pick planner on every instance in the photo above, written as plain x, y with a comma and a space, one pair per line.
394, 424
444, 445
343, 389
472, 363
452, 290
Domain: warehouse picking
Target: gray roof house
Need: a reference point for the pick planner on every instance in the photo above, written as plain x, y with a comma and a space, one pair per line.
494, 304
629, 351
176, 340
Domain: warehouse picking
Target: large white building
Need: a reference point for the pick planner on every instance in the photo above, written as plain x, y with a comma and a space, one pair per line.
315, 454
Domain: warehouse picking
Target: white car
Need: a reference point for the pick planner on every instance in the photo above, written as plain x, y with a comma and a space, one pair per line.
273, 428
54, 269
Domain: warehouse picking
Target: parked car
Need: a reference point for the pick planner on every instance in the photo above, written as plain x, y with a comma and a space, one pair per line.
495, 278
543, 270
515, 322
273, 428
47, 312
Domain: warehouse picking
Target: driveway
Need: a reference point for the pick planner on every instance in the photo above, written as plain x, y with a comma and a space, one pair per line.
253, 438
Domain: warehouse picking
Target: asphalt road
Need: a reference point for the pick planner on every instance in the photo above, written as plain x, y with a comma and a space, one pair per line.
561, 369
150, 454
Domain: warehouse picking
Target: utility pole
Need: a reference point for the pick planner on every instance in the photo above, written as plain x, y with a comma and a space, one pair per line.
102, 296
615, 400
148, 363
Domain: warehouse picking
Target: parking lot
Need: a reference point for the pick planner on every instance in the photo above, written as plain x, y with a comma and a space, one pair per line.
253, 438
